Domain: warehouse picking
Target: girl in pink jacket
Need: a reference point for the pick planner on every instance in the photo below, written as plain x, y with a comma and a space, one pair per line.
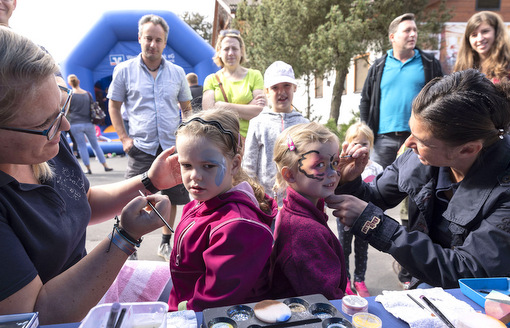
223, 241
307, 257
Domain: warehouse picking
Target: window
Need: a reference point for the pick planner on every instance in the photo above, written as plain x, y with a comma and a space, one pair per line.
488, 4
319, 87
360, 72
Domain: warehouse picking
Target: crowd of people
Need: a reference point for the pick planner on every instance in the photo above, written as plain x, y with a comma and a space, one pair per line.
254, 176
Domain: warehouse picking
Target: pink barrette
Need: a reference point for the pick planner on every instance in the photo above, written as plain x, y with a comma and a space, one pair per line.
290, 144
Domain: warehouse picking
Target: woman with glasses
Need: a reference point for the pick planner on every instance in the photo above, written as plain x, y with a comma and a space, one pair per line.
234, 86
79, 117
46, 202
457, 173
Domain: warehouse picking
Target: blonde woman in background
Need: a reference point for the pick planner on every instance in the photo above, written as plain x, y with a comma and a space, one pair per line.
81, 126
243, 88
485, 46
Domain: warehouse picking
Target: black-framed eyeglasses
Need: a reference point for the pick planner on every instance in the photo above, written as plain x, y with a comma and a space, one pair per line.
50, 132
231, 31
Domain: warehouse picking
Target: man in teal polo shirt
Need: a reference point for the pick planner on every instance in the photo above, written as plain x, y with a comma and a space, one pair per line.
393, 81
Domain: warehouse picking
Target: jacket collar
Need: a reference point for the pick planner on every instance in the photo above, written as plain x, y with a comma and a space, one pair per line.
492, 165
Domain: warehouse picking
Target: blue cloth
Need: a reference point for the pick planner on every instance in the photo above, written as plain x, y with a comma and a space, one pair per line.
152, 104
43, 226
400, 84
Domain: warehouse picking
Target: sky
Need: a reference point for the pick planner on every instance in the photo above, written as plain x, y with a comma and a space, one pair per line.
59, 25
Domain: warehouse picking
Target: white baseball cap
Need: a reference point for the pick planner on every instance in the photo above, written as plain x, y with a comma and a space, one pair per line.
278, 72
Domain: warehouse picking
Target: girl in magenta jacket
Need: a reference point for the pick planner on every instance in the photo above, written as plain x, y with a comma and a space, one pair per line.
307, 257
223, 241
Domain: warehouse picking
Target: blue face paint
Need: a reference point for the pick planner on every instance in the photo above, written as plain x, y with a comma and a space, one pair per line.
217, 159
220, 173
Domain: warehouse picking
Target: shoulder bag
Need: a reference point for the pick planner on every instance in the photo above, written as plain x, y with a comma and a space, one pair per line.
221, 87
97, 115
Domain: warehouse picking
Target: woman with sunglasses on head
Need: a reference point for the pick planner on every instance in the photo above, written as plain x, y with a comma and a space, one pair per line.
456, 171
485, 46
46, 202
234, 86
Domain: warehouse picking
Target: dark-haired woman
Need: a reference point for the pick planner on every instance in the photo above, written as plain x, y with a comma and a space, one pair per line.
457, 172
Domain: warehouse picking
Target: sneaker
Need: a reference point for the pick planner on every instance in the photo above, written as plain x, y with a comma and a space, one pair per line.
361, 288
348, 290
164, 251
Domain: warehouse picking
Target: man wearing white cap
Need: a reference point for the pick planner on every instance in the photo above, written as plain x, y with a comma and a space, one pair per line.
279, 86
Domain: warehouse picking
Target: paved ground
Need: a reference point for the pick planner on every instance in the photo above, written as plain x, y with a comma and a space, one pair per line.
380, 275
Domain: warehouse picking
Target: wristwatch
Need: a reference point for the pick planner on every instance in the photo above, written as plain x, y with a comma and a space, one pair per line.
148, 183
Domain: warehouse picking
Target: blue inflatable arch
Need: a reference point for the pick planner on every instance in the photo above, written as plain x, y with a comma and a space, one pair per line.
114, 39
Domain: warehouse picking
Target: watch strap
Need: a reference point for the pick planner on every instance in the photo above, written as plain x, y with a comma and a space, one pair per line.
148, 183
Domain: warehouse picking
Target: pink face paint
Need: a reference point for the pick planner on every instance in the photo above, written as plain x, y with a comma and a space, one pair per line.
310, 165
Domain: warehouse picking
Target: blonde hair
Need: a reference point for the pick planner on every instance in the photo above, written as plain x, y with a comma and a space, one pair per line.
73, 80
299, 135
217, 59
23, 67
498, 62
228, 143
360, 129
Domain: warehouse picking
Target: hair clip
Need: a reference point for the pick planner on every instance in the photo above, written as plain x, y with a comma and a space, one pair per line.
290, 144
501, 133
216, 124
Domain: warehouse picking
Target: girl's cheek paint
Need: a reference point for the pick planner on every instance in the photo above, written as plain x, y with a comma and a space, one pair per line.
220, 172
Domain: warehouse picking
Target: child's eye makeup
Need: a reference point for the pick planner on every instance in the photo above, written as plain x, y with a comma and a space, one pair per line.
311, 166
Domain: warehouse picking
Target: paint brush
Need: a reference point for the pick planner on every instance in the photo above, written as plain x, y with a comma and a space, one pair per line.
438, 313
346, 156
159, 214
421, 305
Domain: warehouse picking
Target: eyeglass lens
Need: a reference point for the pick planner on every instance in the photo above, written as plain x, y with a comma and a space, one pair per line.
65, 109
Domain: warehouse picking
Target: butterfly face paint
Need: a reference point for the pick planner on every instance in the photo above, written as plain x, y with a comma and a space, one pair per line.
315, 166
317, 175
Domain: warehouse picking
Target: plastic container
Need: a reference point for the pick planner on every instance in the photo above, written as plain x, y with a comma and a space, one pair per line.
366, 320
477, 288
352, 304
20, 320
138, 315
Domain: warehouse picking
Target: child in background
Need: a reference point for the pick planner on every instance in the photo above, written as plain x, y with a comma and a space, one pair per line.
279, 86
358, 133
223, 240
307, 257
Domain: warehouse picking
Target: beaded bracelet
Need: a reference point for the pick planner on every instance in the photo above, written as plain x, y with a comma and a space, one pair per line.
122, 240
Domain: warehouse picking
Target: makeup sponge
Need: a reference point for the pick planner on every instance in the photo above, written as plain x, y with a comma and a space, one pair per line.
272, 311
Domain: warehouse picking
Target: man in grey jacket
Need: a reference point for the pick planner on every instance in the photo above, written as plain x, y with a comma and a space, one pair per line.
279, 85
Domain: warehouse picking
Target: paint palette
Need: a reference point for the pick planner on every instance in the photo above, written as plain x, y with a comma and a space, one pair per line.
312, 311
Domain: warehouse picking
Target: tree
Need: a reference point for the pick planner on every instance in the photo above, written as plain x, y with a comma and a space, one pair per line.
199, 24
319, 36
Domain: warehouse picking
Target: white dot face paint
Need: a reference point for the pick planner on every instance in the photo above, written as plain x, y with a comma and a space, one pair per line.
206, 172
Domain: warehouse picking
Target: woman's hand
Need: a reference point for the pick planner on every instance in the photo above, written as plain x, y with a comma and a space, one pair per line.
137, 221
346, 208
259, 100
165, 171
353, 160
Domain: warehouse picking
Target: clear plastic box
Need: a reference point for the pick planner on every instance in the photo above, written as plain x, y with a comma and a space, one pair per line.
138, 315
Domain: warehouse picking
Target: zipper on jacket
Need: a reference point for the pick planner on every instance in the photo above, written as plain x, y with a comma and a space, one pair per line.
179, 242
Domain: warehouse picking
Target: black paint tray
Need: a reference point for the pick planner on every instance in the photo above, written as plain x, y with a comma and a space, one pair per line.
312, 311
